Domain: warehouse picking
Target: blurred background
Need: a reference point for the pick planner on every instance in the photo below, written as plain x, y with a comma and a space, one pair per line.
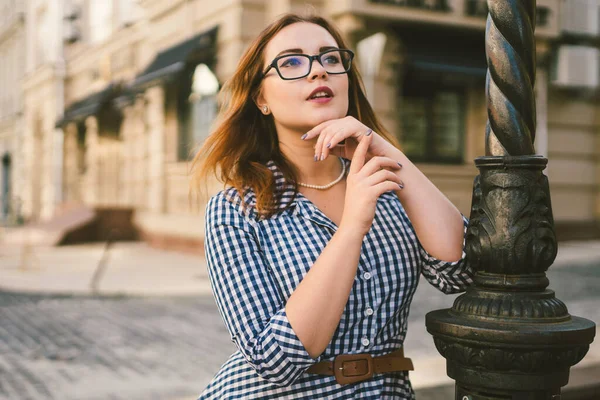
102, 104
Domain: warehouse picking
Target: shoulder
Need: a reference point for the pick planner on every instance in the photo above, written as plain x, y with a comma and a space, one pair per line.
230, 207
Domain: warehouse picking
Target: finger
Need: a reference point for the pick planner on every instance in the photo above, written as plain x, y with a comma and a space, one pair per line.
360, 154
315, 131
336, 138
382, 176
327, 140
320, 145
377, 163
345, 150
386, 186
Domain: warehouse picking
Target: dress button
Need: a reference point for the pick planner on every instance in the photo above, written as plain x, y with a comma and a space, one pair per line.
367, 276
369, 311
365, 342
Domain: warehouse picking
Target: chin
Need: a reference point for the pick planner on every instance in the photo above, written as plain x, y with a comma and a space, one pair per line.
317, 117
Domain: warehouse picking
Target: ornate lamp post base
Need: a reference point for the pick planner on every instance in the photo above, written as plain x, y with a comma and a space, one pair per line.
508, 337
524, 368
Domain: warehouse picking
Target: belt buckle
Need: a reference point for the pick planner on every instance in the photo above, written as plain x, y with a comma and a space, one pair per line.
344, 363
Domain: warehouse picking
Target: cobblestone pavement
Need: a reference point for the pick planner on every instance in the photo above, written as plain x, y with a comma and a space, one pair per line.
61, 347
108, 348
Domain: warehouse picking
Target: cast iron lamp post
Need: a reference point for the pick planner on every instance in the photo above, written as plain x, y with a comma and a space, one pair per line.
508, 337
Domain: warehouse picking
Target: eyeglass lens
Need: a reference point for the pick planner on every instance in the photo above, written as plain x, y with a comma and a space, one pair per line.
298, 66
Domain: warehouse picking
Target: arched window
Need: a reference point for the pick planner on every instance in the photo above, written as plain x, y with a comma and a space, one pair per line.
197, 108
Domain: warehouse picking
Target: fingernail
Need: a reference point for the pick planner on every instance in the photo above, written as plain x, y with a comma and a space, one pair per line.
304, 136
400, 165
328, 145
369, 133
316, 158
322, 156
401, 185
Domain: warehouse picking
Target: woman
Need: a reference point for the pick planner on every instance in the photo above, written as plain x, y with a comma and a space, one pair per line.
315, 247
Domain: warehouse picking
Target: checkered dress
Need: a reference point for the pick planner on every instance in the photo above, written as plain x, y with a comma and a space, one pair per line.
254, 266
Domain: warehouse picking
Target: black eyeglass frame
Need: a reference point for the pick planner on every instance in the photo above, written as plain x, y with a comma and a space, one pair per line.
311, 61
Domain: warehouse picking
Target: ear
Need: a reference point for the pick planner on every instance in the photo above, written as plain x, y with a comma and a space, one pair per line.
259, 100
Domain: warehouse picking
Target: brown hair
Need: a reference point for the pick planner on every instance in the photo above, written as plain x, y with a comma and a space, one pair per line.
244, 139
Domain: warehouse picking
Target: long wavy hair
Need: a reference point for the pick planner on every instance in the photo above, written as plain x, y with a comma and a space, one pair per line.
244, 140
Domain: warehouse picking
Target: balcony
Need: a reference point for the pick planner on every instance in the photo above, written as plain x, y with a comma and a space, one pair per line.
459, 13
479, 8
434, 5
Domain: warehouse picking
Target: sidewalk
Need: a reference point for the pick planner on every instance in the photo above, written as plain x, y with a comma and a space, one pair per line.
136, 269
130, 268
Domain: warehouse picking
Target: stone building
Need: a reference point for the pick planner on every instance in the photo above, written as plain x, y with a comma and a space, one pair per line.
43, 98
139, 80
12, 67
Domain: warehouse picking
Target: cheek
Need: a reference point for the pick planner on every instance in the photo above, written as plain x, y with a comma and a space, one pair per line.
284, 100
346, 101
279, 93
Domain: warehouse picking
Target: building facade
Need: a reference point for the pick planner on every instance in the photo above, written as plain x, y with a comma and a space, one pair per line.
12, 67
139, 80
43, 102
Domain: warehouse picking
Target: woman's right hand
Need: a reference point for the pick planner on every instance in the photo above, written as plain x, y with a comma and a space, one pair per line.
366, 181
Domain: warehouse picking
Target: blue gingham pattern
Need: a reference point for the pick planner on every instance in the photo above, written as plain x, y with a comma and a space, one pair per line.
255, 264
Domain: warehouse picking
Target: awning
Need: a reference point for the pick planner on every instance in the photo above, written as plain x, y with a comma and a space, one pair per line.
170, 62
453, 52
90, 105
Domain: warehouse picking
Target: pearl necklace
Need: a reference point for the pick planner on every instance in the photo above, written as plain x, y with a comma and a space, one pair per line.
324, 187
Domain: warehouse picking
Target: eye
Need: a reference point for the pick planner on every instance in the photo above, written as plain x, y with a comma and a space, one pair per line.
332, 58
290, 62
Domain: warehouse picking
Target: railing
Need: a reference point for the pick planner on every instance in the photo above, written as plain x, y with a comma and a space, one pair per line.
434, 5
471, 8
479, 8
476, 8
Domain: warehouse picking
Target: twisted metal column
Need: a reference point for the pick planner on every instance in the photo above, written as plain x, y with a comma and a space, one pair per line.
508, 337
510, 51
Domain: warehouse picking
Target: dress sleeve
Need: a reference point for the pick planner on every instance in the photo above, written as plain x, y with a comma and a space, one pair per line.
248, 298
448, 277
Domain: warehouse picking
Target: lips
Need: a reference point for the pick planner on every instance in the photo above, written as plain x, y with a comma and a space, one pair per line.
321, 89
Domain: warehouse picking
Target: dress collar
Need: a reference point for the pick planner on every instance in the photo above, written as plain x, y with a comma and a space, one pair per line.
295, 202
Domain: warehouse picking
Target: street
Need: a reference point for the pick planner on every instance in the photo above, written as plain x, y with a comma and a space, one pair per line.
83, 347
108, 348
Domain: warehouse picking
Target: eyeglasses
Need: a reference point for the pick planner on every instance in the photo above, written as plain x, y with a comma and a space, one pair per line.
296, 66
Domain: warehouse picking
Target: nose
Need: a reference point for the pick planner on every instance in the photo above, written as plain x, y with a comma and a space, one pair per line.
317, 70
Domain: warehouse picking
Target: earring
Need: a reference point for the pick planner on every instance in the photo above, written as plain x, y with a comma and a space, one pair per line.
265, 109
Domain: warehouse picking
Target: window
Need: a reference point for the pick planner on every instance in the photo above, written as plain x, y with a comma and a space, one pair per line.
81, 149
6, 192
197, 108
433, 117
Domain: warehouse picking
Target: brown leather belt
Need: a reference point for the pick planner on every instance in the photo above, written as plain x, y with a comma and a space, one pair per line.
351, 368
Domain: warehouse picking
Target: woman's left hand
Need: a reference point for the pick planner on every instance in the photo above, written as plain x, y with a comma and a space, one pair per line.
331, 133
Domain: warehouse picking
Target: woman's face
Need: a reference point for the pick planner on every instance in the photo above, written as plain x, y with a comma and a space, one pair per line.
292, 102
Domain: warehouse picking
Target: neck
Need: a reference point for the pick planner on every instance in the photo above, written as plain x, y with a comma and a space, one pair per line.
301, 153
